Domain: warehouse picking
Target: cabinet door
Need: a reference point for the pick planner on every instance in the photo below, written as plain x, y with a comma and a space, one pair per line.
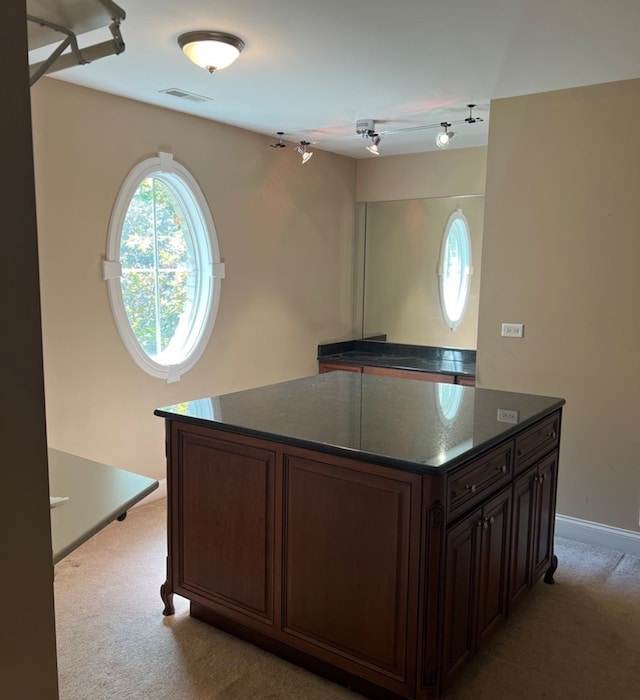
534, 505
223, 533
350, 566
493, 564
542, 546
461, 553
524, 494
476, 575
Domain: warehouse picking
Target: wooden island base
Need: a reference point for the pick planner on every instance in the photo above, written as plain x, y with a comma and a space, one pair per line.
382, 578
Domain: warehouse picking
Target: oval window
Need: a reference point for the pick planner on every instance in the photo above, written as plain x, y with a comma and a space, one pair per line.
163, 267
455, 269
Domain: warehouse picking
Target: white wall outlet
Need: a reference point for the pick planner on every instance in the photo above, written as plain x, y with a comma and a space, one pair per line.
508, 415
513, 330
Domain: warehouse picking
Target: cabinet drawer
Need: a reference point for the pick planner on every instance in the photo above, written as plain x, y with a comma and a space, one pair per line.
536, 441
474, 482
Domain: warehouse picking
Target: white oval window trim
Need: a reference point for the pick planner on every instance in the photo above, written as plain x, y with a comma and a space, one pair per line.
454, 293
206, 251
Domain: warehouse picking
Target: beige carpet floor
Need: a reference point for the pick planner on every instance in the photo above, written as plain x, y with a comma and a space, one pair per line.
579, 638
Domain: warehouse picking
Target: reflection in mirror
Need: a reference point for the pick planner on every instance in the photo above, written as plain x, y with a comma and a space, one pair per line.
398, 252
449, 401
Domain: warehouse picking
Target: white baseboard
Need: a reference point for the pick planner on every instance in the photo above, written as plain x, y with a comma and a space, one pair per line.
598, 535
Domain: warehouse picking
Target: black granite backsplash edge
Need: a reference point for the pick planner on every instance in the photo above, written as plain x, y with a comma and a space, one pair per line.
387, 351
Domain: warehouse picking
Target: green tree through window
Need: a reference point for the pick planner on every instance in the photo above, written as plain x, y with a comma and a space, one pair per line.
163, 267
158, 265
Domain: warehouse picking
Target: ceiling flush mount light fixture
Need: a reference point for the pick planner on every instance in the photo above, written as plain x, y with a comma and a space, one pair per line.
211, 50
302, 150
443, 138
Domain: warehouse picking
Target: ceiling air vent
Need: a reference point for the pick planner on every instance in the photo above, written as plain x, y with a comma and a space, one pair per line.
184, 95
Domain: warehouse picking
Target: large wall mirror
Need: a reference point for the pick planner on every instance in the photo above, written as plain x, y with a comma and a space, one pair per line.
396, 278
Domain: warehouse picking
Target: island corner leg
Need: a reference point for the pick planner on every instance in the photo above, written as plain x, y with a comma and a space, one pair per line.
166, 593
548, 577
167, 598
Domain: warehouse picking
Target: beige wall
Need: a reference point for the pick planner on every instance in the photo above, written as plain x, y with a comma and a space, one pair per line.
561, 251
285, 233
27, 630
433, 174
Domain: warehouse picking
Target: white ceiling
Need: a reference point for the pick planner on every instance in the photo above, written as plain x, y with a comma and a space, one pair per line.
312, 69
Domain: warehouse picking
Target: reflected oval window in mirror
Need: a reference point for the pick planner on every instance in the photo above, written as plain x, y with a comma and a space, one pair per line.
454, 270
449, 401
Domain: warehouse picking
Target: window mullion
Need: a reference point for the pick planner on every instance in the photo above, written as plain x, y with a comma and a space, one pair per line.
156, 273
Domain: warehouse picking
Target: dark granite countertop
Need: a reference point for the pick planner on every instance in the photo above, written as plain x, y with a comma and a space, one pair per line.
420, 358
425, 427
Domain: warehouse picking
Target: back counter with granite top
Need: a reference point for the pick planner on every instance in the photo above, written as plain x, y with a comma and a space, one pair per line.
375, 530
449, 364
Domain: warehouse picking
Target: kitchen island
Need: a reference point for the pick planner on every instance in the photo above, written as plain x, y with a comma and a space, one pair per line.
375, 530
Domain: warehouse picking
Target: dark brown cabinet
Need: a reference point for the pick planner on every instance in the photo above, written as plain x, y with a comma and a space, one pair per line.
338, 367
350, 554
384, 578
223, 503
534, 494
475, 582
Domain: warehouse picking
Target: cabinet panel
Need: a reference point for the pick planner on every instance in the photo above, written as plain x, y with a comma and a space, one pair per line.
347, 544
338, 367
476, 576
475, 481
493, 563
536, 441
522, 534
465, 380
545, 514
225, 540
533, 525
460, 586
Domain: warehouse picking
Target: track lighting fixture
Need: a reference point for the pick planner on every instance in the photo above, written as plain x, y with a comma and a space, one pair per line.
211, 50
471, 119
443, 138
373, 147
280, 143
302, 150
366, 128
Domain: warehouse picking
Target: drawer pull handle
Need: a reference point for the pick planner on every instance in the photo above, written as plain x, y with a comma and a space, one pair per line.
552, 435
471, 488
502, 469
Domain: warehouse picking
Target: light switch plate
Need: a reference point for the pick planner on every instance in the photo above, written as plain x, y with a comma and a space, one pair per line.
513, 330
508, 415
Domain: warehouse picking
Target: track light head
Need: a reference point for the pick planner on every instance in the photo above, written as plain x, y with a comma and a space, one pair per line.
375, 142
443, 138
302, 150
